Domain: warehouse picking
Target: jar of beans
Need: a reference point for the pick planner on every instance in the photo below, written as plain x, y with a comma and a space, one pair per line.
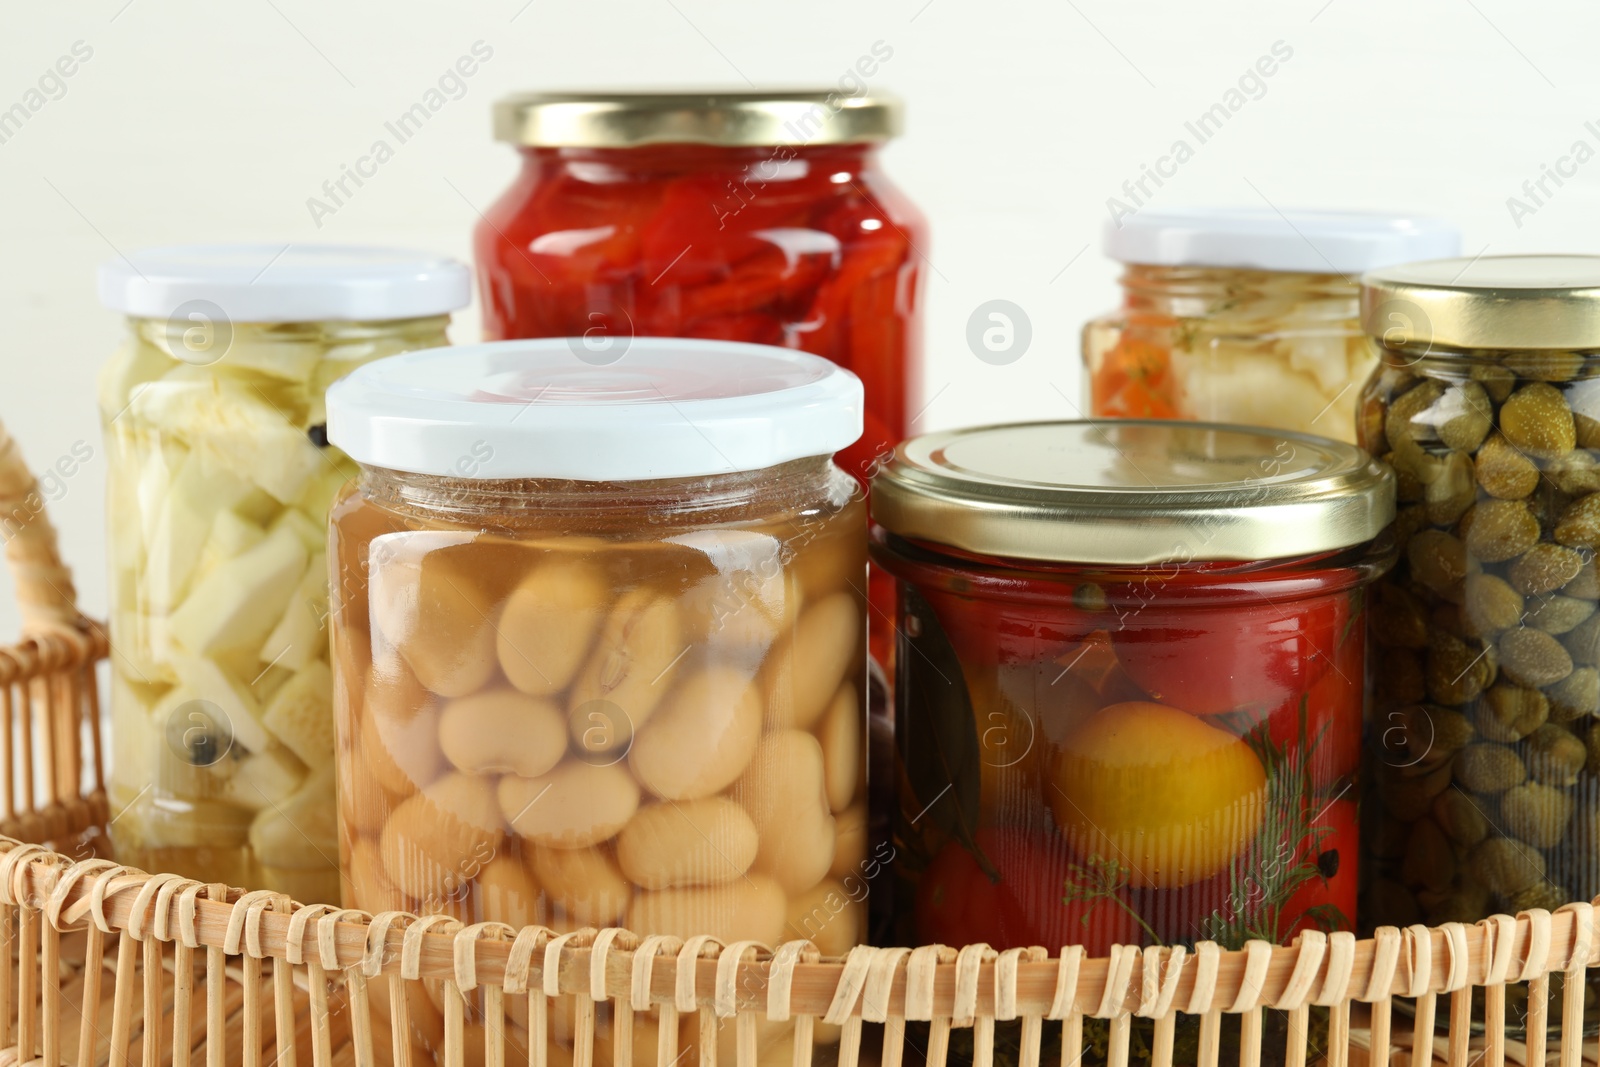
600, 646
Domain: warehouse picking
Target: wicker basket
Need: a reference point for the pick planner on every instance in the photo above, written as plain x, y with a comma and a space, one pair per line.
137, 949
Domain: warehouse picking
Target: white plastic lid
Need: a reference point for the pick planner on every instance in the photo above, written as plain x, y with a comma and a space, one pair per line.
297, 283
1314, 242
647, 408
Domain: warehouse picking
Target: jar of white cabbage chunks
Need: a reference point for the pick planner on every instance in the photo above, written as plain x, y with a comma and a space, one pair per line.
219, 485
1246, 315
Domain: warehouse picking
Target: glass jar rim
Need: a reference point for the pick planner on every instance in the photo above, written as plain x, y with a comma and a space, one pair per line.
1510, 303
715, 117
1133, 491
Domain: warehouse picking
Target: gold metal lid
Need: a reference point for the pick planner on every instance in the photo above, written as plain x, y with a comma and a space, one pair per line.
734, 119
1134, 491
1497, 302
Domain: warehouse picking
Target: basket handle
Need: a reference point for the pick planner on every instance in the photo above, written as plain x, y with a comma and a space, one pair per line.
44, 590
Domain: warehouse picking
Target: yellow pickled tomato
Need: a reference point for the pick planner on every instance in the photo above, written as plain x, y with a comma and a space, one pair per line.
1162, 793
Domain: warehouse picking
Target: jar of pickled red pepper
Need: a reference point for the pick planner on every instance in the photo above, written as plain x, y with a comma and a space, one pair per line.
1484, 746
1246, 315
1129, 680
762, 217
219, 485
599, 644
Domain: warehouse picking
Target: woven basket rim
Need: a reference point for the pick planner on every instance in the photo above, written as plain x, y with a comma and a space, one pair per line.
793, 978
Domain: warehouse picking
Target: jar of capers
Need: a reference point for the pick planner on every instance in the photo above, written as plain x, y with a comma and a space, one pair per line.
1483, 745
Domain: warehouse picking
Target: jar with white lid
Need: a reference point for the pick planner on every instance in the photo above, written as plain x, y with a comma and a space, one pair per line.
219, 485
1246, 315
599, 644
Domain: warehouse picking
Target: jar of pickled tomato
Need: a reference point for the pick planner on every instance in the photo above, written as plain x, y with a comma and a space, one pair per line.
1129, 680
219, 485
599, 644
1246, 315
1483, 749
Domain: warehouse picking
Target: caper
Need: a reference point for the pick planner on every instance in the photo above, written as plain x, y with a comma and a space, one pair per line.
1558, 614
1506, 866
1544, 568
1535, 813
1410, 459
1496, 380
1466, 902
1429, 862
1404, 421
1439, 561
1555, 755
1586, 585
1407, 486
1574, 473
1489, 768
1398, 618
1460, 817
1408, 799
1541, 894
1491, 604
1505, 472
1420, 737
1509, 712
1575, 696
1579, 525
1533, 657
1370, 414
1583, 642
1500, 530
1465, 416
1545, 365
1588, 429
1449, 495
1537, 420
1408, 521
1455, 672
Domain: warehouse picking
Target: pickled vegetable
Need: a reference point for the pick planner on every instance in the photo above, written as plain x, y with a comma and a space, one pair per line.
1098, 755
1495, 759
1254, 347
219, 489
583, 718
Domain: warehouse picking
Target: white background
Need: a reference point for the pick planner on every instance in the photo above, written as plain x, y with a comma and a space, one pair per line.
204, 121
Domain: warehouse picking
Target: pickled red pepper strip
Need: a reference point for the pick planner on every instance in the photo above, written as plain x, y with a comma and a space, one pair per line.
681, 240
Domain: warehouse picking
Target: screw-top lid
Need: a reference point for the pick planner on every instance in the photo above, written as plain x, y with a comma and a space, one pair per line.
715, 117
1133, 492
1497, 302
286, 283
1312, 242
656, 408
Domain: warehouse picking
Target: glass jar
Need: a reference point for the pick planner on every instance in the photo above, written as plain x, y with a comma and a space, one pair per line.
1129, 682
219, 485
761, 217
599, 641
1482, 747
1245, 316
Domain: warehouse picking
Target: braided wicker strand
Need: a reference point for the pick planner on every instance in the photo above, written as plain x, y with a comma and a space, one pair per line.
316, 950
